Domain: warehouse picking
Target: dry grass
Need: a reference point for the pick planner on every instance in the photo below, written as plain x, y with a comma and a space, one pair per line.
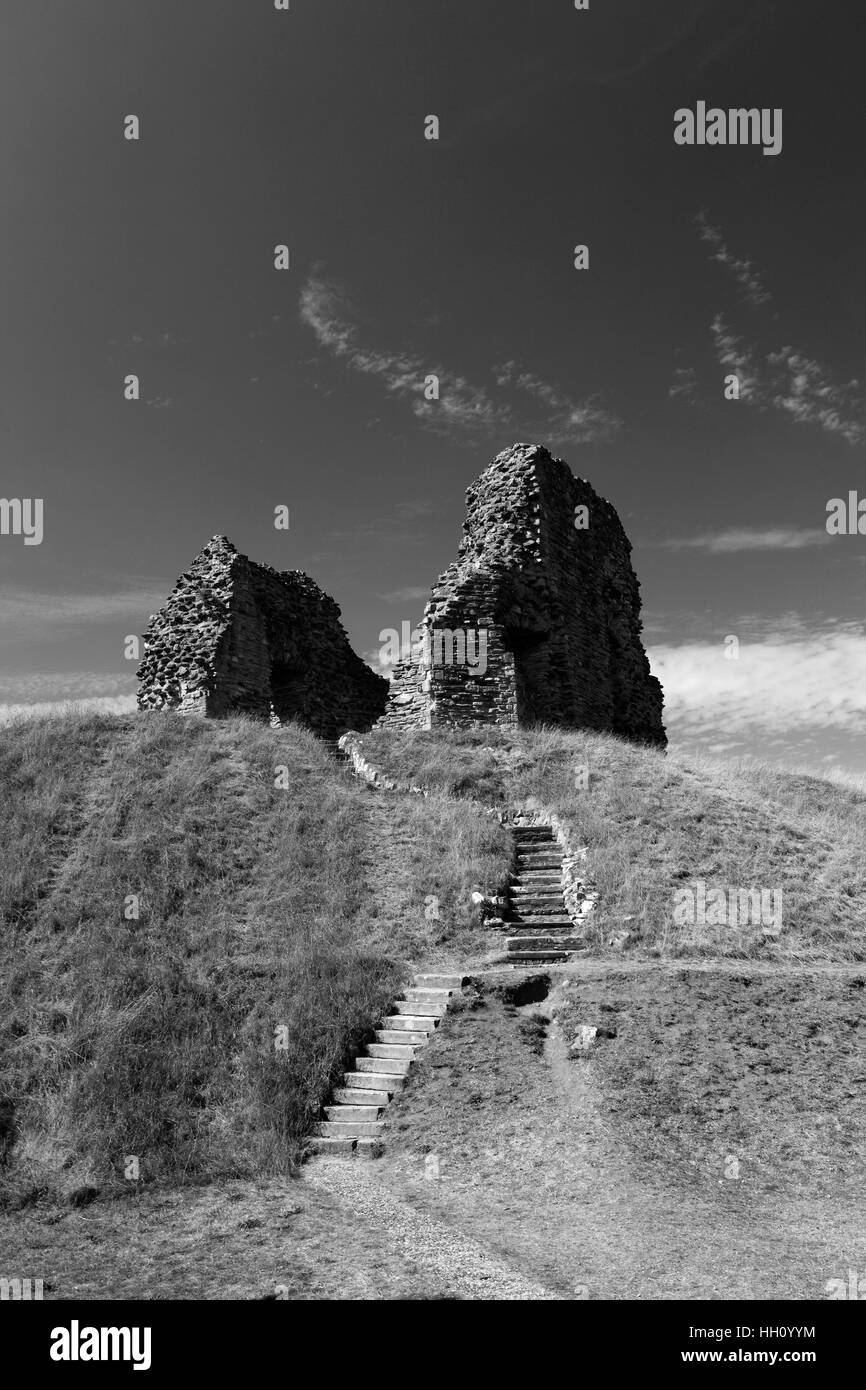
656, 823
259, 909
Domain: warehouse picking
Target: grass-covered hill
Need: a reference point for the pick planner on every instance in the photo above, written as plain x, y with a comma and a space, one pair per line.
654, 823
199, 921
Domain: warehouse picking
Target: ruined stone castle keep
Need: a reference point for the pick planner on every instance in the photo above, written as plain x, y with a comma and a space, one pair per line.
238, 637
543, 574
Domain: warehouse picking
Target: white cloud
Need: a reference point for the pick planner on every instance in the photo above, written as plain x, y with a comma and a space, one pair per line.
463, 407
102, 704
784, 685
751, 538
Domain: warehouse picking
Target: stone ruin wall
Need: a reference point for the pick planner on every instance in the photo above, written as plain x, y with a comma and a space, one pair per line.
239, 637
561, 608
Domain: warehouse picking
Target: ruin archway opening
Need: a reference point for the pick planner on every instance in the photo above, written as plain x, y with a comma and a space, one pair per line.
288, 682
530, 649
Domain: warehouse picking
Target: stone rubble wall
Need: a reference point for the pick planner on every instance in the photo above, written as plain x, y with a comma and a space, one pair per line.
238, 637
561, 607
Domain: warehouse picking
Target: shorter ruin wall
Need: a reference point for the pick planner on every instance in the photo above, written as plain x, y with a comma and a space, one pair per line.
238, 637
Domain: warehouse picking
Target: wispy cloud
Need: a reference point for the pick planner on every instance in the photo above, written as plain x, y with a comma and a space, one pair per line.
464, 408
35, 615
785, 379
789, 381
750, 538
739, 358
27, 687
577, 422
746, 276
410, 595
684, 384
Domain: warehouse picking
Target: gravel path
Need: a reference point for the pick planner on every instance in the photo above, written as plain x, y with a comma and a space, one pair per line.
466, 1268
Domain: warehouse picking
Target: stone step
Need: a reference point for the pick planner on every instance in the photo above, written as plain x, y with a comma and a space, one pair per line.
405, 1036
553, 889
538, 859
359, 1113
420, 1008
546, 888
544, 943
365, 1097
551, 904
527, 919
536, 957
355, 1129
372, 1081
395, 1064
530, 929
428, 992
412, 1023
400, 1052
439, 981
342, 1147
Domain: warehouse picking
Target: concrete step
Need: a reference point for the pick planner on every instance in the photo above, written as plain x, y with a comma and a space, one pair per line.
409, 1023
436, 996
359, 1112
538, 859
394, 1064
398, 1051
342, 1147
420, 1008
439, 981
354, 1129
372, 1081
387, 1036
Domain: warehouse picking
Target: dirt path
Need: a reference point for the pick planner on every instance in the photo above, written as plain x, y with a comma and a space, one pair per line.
464, 1265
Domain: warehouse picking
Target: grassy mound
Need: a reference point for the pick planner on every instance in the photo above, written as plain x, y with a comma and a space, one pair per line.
196, 935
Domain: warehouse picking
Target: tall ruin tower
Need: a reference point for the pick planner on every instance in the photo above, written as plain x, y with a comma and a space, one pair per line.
557, 603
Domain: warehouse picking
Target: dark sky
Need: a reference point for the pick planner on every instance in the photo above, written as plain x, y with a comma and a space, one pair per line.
410, 256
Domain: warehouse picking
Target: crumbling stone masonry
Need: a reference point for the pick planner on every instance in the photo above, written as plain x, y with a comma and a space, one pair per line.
238, 637
560, 606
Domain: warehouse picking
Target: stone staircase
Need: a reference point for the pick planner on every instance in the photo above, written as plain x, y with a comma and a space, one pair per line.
538, 926
355, 1116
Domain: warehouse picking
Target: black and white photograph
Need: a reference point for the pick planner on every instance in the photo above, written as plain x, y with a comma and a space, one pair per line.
432, 669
